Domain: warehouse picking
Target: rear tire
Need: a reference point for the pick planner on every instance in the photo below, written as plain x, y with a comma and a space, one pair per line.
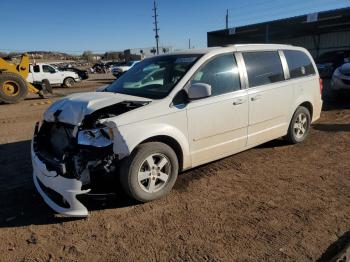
150, 172
68, 82
13, 88
299, 126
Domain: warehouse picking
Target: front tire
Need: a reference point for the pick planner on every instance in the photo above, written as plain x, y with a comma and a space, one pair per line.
68, 82
299, 126
150, 172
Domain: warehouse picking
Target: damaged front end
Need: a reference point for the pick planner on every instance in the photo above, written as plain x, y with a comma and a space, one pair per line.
70, 160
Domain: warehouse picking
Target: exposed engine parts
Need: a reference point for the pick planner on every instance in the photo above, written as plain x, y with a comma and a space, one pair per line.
110, 111
56, 144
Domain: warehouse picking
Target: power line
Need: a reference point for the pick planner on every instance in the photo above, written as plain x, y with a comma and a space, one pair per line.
156, 29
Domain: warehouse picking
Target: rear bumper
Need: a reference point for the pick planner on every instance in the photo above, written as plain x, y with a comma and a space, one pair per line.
47, 181
317, 110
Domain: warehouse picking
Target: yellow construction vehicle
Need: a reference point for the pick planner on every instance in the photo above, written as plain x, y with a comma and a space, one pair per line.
13, 84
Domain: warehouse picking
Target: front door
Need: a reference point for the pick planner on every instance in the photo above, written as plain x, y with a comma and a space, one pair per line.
52, 74
217, 125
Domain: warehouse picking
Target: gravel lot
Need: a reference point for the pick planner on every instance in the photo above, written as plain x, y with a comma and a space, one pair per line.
277, 202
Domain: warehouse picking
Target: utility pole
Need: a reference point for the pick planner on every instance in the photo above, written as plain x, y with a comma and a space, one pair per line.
226, 19
156, 29
189, 43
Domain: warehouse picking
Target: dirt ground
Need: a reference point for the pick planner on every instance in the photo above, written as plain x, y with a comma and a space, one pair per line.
277, 202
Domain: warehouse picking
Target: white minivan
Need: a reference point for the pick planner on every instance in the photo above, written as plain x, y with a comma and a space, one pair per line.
170, 113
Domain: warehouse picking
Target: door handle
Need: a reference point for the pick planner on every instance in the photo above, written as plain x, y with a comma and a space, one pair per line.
255, 98
238, 101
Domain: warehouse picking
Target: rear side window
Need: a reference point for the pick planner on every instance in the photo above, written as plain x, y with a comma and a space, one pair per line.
263, 67
299, 63
221, 73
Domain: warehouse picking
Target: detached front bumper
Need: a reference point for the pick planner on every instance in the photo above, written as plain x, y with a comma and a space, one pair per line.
52, 187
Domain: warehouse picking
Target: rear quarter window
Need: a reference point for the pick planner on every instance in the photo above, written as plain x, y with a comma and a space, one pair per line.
263, 67
299, 63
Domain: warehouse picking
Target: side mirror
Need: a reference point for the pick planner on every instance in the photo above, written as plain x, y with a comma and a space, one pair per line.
199, 90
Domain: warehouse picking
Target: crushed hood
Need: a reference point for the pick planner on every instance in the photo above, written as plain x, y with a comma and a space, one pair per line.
73, 108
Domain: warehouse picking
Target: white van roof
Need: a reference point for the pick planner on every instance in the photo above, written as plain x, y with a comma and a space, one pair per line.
239, 47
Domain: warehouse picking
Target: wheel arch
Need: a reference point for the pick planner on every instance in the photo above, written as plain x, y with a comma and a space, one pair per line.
128, 137
308, 106
301, 102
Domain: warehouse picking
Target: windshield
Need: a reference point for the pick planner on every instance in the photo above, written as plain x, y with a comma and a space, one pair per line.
153, 77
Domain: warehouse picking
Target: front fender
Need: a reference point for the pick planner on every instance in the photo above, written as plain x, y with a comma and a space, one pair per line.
128, 137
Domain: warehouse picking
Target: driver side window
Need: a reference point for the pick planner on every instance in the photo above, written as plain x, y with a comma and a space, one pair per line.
221, 73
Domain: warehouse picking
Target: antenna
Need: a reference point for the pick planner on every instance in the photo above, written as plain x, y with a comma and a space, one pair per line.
156, 29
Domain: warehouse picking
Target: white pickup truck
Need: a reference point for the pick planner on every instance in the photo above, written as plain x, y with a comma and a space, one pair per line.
40, 72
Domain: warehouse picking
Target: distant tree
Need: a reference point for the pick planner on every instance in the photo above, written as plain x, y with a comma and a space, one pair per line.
87, 55
13, 55
153, 51
2, 54
75, 57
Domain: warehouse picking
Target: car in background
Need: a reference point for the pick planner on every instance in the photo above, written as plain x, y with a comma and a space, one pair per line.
83, 74
341, 78
99, 68
329, 61
111, 65
325, 70
40, 72
119, 70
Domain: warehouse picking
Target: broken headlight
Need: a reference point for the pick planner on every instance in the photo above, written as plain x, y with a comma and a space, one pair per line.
98, 137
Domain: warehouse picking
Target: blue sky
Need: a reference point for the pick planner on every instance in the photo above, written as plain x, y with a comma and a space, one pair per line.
73, 26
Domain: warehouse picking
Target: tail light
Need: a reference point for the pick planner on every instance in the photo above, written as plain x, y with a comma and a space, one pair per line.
321, 86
